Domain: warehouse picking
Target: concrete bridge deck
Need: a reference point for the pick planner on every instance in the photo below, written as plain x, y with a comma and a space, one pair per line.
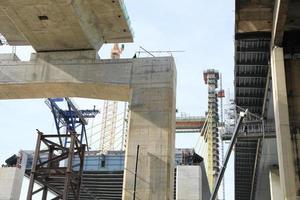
64, 25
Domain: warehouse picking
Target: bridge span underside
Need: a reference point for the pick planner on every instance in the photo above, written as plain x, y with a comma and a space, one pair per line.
251, 71
266, 82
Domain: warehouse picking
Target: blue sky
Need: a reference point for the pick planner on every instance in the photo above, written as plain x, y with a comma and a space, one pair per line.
203, 29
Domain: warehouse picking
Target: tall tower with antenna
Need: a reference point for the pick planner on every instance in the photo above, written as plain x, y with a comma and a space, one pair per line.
211, 78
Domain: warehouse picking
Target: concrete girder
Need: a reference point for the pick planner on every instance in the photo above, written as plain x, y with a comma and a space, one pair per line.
254, 15
64, 25
149, 84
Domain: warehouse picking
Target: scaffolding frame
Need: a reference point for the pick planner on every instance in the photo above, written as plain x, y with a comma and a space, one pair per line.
46, 165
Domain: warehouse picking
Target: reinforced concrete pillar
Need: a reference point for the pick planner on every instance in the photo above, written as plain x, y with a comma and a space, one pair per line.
192, 183
152, 126
281, 113
11, 179
275, 188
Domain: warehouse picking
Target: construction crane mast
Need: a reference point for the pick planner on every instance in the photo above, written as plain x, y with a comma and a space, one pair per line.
221, 95
109, 115
235, 133
71, 119
108, 129
211, 78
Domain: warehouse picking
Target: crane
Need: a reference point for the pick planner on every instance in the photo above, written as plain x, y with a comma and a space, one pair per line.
116, 51
228, 153
71, 119
109, 114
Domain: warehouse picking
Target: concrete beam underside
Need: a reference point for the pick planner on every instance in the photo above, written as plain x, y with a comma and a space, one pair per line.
64, 25
149, 84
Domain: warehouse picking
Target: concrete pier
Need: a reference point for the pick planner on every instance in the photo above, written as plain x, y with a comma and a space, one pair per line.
149, 84
275, 188
192, 183
10, 183
286, 155
11, 179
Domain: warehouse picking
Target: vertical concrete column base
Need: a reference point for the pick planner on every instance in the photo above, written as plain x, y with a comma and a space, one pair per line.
152, 127
275, 188
281, 113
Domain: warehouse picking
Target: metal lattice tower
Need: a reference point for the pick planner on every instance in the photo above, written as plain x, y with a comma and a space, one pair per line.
221, 95
108, 129
211, 78
110, 109
125, 126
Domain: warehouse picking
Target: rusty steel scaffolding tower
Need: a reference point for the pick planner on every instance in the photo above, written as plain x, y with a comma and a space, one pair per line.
54, 153
47, 166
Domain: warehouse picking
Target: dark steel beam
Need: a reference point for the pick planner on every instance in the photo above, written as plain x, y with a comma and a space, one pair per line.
34, 164
48, 173
257, 154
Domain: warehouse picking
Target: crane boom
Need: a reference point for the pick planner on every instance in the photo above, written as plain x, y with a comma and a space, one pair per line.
228, 153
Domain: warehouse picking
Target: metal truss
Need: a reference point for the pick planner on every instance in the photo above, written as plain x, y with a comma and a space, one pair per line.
53, 162
71, 119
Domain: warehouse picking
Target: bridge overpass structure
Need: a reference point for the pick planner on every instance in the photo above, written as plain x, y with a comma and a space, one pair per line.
266, 82
190, 124
66, 36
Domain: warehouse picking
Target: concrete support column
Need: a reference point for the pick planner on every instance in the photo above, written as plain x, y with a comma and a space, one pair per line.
152, 126
281, 113
11, 179
275, 188
10, 183
192, 183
